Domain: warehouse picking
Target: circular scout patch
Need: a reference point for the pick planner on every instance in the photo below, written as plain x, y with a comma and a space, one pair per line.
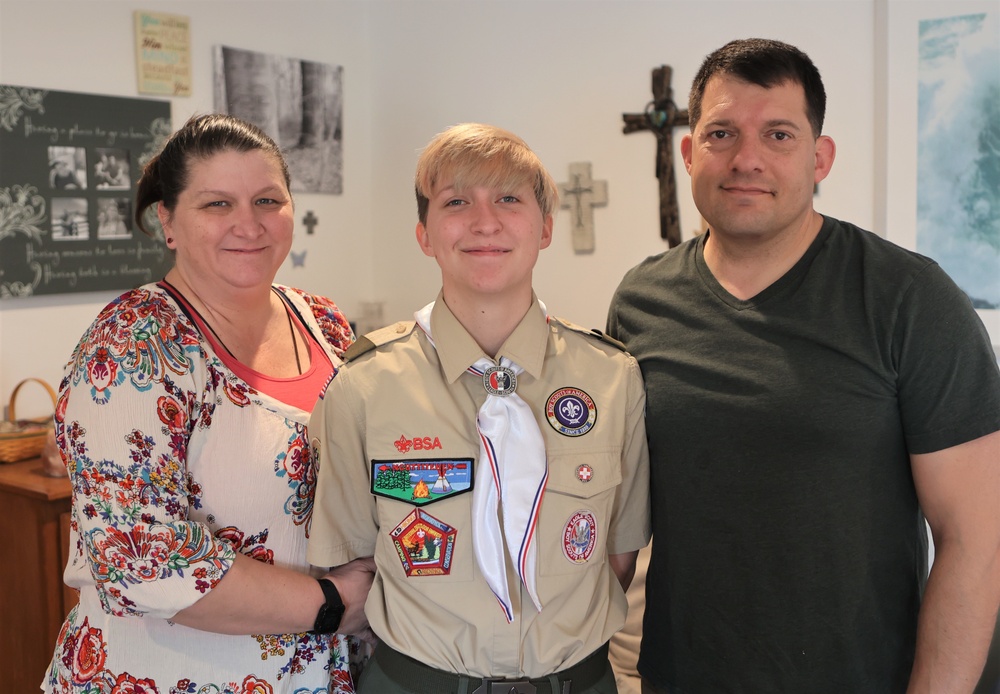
584, 473
571, 412
499, 380
580, 536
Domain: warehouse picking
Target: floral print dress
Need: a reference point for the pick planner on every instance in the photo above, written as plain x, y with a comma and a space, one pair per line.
176, 465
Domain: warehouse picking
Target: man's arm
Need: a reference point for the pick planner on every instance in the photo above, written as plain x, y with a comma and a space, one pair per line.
959, 492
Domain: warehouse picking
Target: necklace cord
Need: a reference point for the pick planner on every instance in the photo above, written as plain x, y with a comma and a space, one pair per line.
295, 342
288, 314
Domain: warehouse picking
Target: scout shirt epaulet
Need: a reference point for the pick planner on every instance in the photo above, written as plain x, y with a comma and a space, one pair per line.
590, 332
377, 338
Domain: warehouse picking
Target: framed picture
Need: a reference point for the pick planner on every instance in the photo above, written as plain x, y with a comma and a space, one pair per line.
69, 163
943, 141
163, 53
297, 102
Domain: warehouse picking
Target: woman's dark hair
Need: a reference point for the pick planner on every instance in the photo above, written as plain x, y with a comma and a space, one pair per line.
165, 176
767, 64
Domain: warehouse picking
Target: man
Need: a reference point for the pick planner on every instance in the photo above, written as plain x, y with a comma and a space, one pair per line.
814, 392
491, 457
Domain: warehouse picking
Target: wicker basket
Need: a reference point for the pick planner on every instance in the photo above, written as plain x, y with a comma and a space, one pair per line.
21, 439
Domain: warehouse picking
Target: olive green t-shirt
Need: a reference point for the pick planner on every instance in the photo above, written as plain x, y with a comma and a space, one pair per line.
789, 552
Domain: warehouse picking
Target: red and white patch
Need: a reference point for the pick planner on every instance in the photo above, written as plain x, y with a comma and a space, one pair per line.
580, 536
584, 473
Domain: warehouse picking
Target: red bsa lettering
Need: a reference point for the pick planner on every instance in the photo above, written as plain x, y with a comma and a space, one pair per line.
426, 443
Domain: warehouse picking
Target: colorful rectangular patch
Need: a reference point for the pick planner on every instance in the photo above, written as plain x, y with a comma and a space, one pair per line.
421, 482
425, 545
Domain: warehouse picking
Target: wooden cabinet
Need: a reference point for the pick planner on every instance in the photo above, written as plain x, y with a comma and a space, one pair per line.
34, 525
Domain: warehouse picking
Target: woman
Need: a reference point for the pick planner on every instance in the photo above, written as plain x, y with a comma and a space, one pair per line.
62, 176
182, 420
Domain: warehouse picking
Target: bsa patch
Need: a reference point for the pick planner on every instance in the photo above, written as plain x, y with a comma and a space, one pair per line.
571, 412
499, 380
417, 443
424, 544
423, 481
580, 536
584, 473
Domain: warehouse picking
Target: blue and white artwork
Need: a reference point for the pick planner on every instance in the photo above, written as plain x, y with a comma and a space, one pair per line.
958, 144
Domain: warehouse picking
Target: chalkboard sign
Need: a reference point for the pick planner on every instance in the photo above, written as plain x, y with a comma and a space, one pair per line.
69, 163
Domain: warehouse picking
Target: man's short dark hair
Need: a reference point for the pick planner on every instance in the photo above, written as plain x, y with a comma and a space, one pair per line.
766, 63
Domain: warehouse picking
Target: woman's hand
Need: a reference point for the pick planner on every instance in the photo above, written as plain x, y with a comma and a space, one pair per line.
353, 581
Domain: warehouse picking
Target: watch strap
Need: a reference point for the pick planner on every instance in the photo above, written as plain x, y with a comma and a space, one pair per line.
331, 611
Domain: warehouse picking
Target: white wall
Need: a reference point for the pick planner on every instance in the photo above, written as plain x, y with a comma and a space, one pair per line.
558, 72
88, 46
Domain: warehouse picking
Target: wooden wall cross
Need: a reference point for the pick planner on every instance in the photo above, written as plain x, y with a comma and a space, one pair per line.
581, 195
661, 117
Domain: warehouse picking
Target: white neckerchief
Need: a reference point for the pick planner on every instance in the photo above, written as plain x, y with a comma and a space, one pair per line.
511, 474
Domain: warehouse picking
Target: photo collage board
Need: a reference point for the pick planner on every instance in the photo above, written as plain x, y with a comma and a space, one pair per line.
69, 164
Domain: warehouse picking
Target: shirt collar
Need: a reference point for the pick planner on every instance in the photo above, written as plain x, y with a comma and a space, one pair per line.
457, 349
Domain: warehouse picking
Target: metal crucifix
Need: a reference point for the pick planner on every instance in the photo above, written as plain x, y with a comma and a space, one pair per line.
661, 117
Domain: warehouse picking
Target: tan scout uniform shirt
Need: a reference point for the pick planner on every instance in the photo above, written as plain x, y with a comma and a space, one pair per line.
406, 406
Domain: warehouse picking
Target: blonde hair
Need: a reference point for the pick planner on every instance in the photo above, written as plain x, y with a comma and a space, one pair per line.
475, 154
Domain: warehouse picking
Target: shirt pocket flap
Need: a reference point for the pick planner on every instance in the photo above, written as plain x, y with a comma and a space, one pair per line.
584, 474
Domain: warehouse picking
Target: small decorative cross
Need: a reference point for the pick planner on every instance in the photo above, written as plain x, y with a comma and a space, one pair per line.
581, 195
661, 117
310, 220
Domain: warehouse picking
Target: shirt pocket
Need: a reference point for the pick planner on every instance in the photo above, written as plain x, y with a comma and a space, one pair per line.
577, 506
426, 543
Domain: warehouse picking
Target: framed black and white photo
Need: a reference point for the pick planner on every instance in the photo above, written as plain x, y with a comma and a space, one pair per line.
297, 102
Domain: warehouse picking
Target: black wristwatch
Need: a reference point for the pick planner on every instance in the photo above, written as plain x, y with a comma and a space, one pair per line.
331, 612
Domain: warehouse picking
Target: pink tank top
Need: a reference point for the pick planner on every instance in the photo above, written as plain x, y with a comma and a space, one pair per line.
300, 391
